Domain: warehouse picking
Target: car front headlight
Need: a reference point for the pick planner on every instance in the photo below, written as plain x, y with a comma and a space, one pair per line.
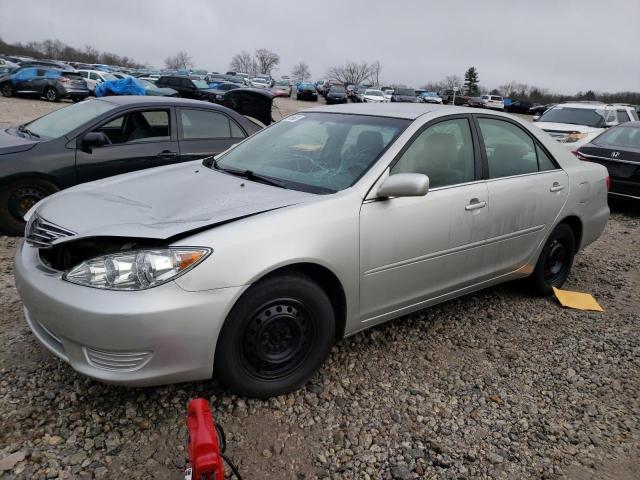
137, 269
574, 137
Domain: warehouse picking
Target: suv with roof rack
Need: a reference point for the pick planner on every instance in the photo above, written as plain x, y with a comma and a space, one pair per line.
577, 123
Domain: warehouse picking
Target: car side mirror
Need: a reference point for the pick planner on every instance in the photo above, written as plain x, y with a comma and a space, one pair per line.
93, 140
536, 118
404, 185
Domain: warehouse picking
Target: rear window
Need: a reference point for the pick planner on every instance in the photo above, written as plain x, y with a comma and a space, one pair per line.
576, 116
405, 91
498, 99
622, 136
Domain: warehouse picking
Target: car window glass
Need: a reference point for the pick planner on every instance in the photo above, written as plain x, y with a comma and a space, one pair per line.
204, 124
93, 76
623, 116
307, 151
544, 162
236, 131
443, 152
41, 72
509, 150
620, 137
185, 82
26, 74
152, 125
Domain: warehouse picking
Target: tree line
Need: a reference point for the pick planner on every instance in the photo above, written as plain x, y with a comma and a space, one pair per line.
57, 50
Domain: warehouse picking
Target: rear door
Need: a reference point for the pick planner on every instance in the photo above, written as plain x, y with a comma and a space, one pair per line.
139, 139
205, 132
527, 190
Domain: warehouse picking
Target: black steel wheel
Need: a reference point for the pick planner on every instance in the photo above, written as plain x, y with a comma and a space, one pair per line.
276, 337
555, 261
17, 198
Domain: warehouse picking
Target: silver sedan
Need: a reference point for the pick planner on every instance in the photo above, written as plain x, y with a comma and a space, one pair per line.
249, 266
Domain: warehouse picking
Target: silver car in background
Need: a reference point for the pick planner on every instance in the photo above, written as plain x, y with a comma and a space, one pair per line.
250, 266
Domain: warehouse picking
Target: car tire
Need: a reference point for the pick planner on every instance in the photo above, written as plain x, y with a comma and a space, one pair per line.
276, 337
51, 94
17, 197
555, 261
7, 90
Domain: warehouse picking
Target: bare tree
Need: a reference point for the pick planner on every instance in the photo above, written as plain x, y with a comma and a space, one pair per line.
182, 60
375, 70
452, 81
351, 73
266, 60
435, 86
301, 72
243, 62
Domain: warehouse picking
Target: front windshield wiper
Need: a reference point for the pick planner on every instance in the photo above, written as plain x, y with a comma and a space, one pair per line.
249, 175
24, 129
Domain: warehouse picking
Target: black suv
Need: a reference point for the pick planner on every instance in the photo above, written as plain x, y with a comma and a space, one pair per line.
50, 83
188, 87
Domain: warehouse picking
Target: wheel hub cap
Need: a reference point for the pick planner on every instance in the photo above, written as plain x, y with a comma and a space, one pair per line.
276, 339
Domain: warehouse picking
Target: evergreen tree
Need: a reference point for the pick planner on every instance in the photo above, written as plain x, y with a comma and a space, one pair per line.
471, 82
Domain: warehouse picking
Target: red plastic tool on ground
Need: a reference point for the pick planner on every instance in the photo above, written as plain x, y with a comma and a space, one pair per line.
205, 456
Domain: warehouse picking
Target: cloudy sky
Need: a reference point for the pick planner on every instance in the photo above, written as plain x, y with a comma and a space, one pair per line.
564, 45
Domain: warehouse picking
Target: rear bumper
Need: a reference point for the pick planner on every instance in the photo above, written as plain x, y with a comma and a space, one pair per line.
151, 337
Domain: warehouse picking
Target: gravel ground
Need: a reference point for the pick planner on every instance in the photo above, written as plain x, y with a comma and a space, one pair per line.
497, 384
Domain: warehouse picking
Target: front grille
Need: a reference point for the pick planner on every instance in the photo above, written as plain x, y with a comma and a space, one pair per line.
41, 233
116, 360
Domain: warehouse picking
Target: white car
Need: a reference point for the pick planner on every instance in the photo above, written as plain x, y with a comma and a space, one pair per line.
495, 102
388, 93
260, 82
576, 124
94, 77
372, 95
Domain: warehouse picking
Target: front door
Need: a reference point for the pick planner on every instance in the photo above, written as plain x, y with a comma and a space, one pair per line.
136, 140
419, 248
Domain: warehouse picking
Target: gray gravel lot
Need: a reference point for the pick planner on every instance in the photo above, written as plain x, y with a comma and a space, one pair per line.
497, 384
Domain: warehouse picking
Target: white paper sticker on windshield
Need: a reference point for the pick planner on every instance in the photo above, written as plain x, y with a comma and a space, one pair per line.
293, 118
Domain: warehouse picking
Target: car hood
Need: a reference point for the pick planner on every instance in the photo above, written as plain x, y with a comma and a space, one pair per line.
567, 127
161, 203
10, 143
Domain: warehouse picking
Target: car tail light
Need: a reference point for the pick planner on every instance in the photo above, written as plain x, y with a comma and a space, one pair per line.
607, 182
580, 156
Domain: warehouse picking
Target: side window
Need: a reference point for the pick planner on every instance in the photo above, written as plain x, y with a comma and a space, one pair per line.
623, 116
41, 72
443, 152
26, 74
510, 151
544, 162
152, 125
202, 124
93, 76
236, 131
186, 83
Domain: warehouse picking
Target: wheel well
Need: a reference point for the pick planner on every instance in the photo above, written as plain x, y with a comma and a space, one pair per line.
327, 280
576, 225
30, 176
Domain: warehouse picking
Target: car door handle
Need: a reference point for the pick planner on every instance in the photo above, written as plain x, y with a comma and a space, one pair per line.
556, 187
475, 204
167, 154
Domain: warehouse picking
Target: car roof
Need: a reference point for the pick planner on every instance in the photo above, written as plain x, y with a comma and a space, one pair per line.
142, 100
410, 111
